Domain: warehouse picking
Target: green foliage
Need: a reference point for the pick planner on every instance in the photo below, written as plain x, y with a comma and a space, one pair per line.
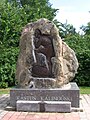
13, 18
3, 85
86, 29
10, 25
8, 59
65, 29
81, 45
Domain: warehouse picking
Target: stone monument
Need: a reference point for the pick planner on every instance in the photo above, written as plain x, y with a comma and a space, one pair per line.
45, 67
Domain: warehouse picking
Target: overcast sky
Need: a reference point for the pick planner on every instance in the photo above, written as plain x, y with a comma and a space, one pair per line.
76, 12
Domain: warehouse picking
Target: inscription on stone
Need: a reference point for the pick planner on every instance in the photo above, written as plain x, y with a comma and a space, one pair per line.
44, 98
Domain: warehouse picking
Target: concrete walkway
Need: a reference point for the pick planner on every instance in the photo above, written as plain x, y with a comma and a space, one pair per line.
84, 114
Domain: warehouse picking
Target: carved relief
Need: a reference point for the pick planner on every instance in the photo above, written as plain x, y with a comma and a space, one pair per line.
44, 51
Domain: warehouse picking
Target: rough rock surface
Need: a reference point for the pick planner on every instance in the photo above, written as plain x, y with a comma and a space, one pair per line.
45, 61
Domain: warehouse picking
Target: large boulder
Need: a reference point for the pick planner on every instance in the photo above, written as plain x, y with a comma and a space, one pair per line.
45, 61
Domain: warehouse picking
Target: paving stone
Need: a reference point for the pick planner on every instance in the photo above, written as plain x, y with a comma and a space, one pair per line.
7, 116
85, 115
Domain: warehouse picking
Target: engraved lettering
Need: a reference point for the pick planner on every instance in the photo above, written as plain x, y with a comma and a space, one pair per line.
33, 98
54, 98
59, 98
47, 98
26, 97
18, 97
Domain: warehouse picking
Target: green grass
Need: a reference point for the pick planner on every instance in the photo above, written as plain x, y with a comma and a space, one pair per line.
4, 91
83, 90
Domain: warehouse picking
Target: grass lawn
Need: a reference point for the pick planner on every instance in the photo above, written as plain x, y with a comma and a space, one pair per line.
83, 90
5, 91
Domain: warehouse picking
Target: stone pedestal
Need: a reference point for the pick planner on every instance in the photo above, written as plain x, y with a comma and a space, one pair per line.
69, 94
46, 106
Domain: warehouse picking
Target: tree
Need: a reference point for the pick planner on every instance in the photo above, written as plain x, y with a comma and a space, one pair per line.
81, 45
86, 29
14, 17
65, 29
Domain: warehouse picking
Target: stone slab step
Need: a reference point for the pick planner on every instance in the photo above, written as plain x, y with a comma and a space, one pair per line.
58, 106
46, 106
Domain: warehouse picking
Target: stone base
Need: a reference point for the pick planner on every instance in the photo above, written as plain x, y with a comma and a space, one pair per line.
46, 106
42, 83
70, 94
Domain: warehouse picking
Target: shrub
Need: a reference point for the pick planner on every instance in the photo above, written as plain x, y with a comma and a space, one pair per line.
81, 46
3, 85
8, 58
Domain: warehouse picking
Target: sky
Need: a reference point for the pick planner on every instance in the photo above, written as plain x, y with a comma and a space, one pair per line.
75, 12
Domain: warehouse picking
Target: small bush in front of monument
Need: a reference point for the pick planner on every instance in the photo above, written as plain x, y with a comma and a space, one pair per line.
3, 84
